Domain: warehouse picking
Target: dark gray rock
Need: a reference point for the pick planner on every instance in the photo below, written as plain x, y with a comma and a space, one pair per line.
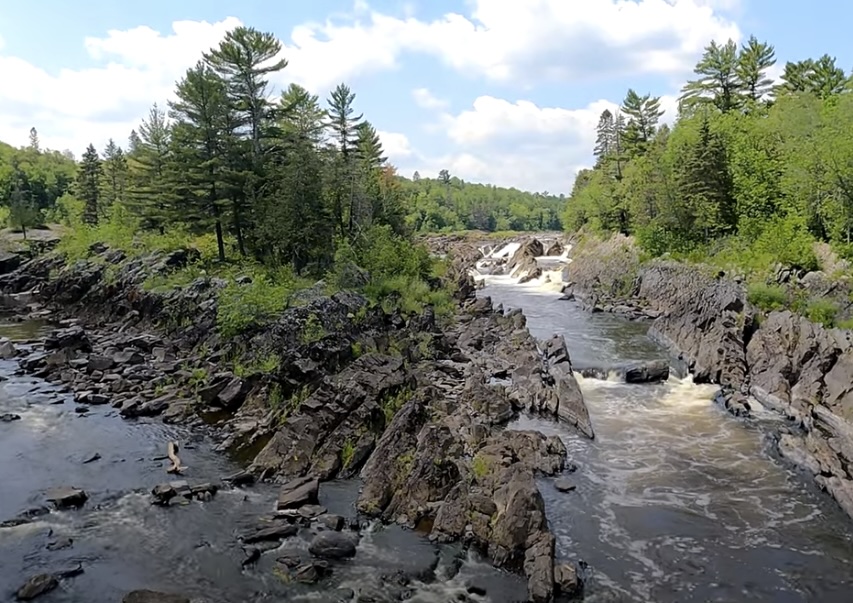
647, 372
67, 497
332, 545
299, 492
271, 533
37, 586
564, 485
9, 417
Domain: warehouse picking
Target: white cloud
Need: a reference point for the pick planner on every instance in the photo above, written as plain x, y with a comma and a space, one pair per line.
521, 144
395, 145
425, 99
515, 42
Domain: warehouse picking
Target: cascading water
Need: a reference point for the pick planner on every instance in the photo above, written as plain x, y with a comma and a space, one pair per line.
676, 500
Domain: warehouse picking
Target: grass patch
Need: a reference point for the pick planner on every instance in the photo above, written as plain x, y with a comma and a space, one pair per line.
822, 311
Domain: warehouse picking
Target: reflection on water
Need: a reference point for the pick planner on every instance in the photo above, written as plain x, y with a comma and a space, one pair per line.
677, 501
23, 330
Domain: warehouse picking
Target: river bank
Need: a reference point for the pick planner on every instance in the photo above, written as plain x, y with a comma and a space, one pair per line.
331, 390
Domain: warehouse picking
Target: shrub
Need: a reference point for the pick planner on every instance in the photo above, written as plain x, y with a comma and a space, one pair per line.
766, 297
822, 311
243, 306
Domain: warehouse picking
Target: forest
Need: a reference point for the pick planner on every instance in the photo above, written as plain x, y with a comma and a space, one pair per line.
753, 171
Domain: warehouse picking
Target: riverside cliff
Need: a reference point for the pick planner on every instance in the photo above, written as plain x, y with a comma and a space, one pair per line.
334, 387
780, 359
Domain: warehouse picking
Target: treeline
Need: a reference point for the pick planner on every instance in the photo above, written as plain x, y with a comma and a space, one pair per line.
32, 180
447, 203
753, 171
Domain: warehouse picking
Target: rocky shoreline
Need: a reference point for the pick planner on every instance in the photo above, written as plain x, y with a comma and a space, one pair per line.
782, 360
331, 389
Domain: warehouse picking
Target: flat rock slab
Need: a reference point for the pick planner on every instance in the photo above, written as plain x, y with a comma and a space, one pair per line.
278, 532
299, 492
150, 596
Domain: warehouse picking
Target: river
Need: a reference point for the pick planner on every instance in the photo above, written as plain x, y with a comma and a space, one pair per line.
676, 500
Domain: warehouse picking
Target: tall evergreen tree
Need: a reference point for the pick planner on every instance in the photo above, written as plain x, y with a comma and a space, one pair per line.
148, 189
753, 62
245, 59
718, 82
200, 150
343, 128
643, 113
89, 184
34, 140
115, 174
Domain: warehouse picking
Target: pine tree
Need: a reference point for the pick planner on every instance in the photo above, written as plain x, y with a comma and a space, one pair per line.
753, 62
369, 159
148, 189
244, 59
643, 113
343, 127
133, 143
89, 184
300, 114
199, 140
822, 78
23, 213
115, 174
718, 83
604, 136
34, 140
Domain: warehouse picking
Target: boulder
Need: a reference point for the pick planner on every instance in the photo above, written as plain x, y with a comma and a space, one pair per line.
9, 417
332, 545
37, 586
646, 372
7, 349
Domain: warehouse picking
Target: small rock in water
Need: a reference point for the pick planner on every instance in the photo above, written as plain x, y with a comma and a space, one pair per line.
69, 572
81, 410
37, 586
566, 579
311, 511
474, 589
564, 485
252, 555
9, 417
241, 478
290, 559
333, 522
150, 596
332, 545
92, 458
59, 544
299, 492
67, 497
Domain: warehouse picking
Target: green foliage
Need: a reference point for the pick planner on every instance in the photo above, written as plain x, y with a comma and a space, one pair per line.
451, 205
247, 306
313, 330
393, 403
739, 181
767, 297
347, 453
480, 466
822, 311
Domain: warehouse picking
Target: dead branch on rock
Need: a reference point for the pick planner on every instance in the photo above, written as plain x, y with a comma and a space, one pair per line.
172, 451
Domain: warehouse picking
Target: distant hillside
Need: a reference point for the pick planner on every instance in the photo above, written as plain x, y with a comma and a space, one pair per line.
41, 177
449, 204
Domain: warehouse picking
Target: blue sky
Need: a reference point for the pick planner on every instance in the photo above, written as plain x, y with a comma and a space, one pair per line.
508, 91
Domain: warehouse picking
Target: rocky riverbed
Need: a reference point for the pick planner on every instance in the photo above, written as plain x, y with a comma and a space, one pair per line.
411, 411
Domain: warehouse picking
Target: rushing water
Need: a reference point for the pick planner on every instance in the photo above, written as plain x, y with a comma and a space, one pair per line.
125, 543
676, 500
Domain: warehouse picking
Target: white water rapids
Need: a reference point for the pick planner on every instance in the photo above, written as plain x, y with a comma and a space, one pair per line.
676, 500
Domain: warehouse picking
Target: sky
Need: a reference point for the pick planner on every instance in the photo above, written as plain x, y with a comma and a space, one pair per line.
505, 92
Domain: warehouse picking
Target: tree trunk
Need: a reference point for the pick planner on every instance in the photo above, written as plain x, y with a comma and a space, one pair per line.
238, 230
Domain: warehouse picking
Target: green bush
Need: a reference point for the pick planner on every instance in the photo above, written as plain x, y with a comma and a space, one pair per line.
822, 311
253, 304
766, 297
